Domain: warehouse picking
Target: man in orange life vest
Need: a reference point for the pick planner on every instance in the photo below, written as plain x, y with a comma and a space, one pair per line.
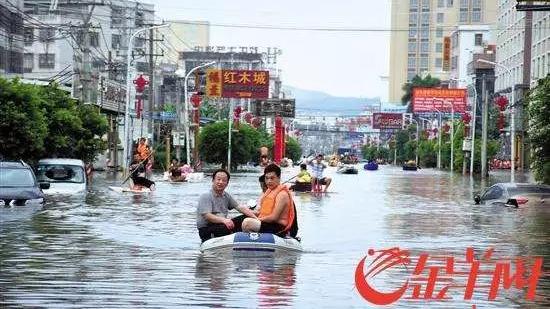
277, 212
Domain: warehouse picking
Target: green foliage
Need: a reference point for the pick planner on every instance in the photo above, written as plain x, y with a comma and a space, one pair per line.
43, 121
539, 129
417, 81
244, 144
23, 125
374, 152
293, 150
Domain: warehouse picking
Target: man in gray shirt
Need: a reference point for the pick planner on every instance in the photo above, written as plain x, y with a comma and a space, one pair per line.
214, 206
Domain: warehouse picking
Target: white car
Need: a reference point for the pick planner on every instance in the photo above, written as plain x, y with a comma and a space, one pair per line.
66, 176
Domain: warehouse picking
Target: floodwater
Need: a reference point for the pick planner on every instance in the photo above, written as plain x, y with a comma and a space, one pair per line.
108, 249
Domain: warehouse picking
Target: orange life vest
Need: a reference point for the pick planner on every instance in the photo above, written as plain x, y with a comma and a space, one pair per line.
268, 204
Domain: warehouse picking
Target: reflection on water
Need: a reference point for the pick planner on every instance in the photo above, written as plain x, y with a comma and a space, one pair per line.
107, 249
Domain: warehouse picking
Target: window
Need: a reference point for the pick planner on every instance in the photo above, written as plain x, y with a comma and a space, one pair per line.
476, 15
478, 41
28, 62
464, 3
463, 17
412, 33
28, 35
413, 18
425, 5
440, 3
438, 47
412, 47
424, 63
413, 3
116, 41
46, 61
411, 62
94, 39
440, 18
438, 63
425, 18
494, 192
450, 3
424, 47
46, 34
410, 75
454, 62
476, 4
425, 33
439, 32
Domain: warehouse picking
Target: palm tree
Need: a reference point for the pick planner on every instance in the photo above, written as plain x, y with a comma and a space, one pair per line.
417, 81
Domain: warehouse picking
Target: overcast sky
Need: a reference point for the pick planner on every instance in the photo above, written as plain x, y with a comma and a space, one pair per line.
338, 63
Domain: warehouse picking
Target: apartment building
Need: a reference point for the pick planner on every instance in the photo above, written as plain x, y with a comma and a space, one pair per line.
11, 38
419, 29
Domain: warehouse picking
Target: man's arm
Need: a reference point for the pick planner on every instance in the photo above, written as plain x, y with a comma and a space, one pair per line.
246, 211
281, 201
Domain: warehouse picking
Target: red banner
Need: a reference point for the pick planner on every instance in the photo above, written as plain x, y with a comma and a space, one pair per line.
436, 99
237, 84
387, 121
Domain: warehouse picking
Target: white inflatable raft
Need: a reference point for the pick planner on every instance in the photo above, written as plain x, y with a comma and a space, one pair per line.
252, 243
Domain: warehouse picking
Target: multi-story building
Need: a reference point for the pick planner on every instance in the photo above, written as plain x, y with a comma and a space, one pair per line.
418, 31
182, 35
466, 41
11, 38
523, 53
55, 49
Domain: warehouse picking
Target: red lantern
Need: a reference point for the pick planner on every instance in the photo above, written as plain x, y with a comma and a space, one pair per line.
501, 102
466, 118
446, 128
248, 117
196, 100
140, 83
256, 122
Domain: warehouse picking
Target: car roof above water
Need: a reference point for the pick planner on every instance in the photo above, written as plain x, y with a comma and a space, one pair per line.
14, 164
76, 162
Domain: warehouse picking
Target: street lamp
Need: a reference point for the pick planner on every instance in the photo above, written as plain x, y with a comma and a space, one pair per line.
473, 134
417, 140
186, 108
452, 133
128, 85
512, 120
438, 138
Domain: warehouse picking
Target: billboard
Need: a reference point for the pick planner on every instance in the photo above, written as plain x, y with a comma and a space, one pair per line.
429, 100
386, 121
446, 53
237, 84
272, 107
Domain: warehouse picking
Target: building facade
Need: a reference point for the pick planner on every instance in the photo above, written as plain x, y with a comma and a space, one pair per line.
182, 35
466, 41
418, 31
11, 38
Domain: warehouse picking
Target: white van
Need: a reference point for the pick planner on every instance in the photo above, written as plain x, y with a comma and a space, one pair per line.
66, 176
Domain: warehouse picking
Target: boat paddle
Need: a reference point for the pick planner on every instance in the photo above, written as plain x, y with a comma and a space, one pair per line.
136, 168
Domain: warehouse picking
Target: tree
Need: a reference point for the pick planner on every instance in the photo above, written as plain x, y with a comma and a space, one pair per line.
539, 129
293, 150
43, 121
23, 125
244, 144
417, 81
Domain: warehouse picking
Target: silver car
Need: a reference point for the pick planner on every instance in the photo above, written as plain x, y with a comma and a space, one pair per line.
514, 194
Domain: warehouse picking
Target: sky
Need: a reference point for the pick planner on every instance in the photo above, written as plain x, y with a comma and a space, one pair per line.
338, 63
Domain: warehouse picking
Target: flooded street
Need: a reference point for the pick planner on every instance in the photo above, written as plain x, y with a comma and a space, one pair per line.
108, 249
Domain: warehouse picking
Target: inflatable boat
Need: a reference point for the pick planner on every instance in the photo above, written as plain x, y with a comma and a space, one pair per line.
347, 169
371, 166
407, 167
252, 244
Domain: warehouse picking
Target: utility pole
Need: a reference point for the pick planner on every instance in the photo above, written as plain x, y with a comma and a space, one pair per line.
151, 126
178, 118
86, 66
484, 123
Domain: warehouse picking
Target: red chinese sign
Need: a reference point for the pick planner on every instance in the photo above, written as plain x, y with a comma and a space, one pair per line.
446, 53
435, 99
387, 121
237, 84
434, 278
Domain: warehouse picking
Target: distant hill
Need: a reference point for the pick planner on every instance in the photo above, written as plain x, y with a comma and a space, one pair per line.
317, 102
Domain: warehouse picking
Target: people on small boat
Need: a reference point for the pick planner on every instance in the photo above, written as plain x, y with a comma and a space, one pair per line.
318, 167
303, 176
186, 169
139, 183
277, 212
214, 206
175, 171
410, 163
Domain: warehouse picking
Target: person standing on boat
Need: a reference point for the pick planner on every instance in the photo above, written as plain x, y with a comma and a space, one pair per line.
214, 206
277, 212
317, 168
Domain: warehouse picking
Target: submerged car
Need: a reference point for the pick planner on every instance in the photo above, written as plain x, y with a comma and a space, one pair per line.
514, 194
18, 185
66, 176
